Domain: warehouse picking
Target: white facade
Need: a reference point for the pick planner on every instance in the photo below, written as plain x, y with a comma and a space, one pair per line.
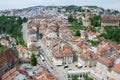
24, 55
115, 75
91, 37
81, 61
81, 73
58, 61
102, 70
52, 35
67, 59
86, 23
110, 24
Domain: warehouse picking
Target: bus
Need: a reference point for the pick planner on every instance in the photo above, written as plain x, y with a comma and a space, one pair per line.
41, 56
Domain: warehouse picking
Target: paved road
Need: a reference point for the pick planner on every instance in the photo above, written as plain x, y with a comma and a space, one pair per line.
25, 32
59, 72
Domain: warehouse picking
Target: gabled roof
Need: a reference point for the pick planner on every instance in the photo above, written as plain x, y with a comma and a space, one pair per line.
109, 19
116, 68
89, 55
65, 51
108, 62
21, 49
8, 55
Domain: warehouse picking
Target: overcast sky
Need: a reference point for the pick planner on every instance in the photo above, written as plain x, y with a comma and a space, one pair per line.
14, 4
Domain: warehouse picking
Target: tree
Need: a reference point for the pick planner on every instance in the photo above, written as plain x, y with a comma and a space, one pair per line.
19, 20
95, 21
41, 35
25, 19
112, 34
77, 33
12, 26
70, 19
74, 77
94, 43
33, 60
86, 77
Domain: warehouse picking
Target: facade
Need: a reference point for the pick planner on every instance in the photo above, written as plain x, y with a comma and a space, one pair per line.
82, 73
115, 73
23, 53
32, 34
83, 34
5, 42
103, 67
63, 55
109, 21
17, 74
88, 59
86, 22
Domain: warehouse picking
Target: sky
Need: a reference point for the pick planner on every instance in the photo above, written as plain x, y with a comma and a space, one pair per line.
17, 4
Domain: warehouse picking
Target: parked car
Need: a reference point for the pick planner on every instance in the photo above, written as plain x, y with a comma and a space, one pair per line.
66, 66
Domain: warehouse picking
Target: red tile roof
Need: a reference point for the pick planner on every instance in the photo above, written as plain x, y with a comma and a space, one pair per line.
32, 47
116, 68
89, 55
21, 49
86, 20
43, 27
46, 76
109, 19
8, 55
109, 62
8, 73
64, 52
52, 27
2, 61
67, 50
112, 79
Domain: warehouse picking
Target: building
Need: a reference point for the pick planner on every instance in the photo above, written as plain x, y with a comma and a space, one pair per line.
83, 34
23, 53
5, 42
17, 74
82, 73
103, 67
32, 33
8, 60
88, 59
115, 73
12, 12
109, 21
86, 22
63, 54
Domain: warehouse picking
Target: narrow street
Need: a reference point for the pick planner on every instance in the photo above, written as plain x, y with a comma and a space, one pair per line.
25, 32
59, 72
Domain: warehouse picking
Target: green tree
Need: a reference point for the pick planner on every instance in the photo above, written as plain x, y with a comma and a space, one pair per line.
95, 21
25, 19
33, 60
77, 33
70, 19
94, 43
12, 26
112, 34
19, 20
75, 77
41, 35
86, 77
